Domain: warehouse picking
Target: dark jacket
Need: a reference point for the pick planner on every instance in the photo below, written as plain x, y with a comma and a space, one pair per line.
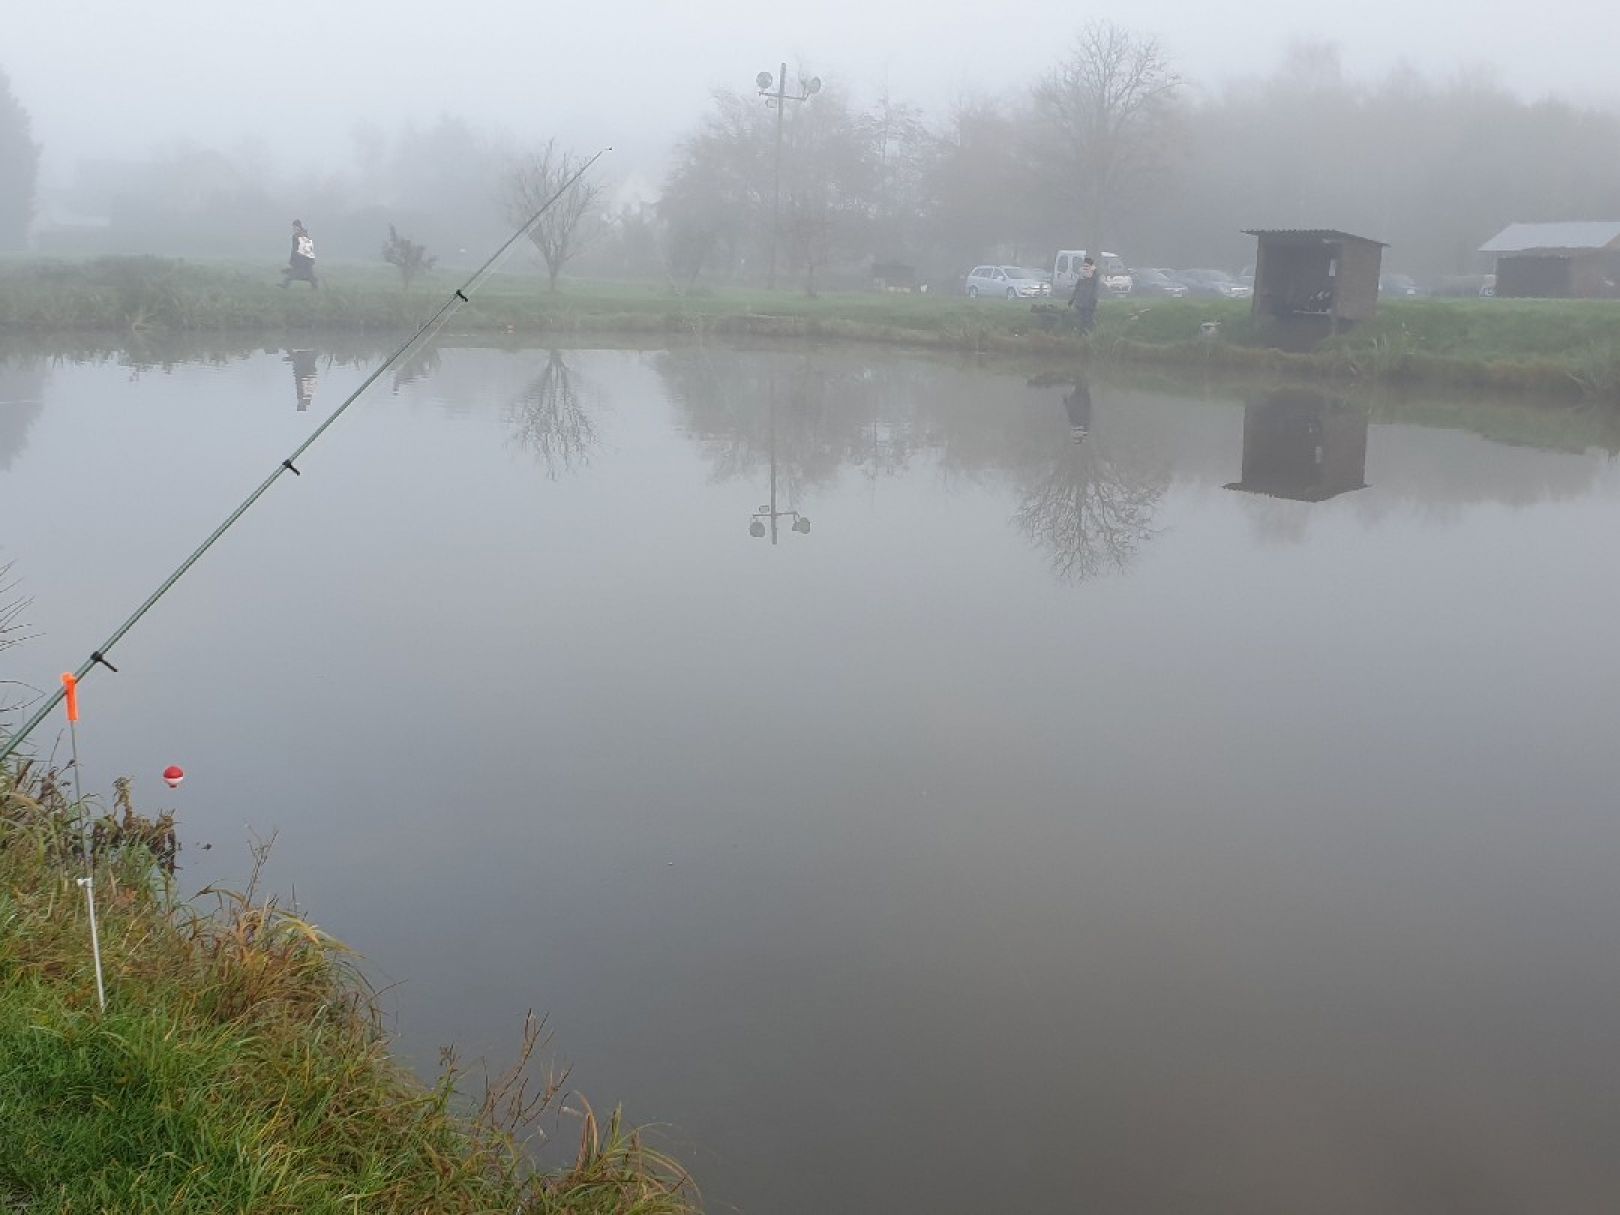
1085, 290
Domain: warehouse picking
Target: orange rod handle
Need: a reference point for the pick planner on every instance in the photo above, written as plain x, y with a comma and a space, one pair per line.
71, 685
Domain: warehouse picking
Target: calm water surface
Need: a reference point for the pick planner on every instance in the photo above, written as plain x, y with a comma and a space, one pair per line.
1119, 801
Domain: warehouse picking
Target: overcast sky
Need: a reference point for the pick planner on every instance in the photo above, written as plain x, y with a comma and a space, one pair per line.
115, 78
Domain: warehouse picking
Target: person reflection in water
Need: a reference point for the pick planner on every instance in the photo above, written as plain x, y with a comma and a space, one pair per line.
303, 365
1078, 406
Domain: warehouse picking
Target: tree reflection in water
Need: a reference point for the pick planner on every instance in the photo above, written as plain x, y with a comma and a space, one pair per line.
550, 419
1089, 508
22, 397
416, 368
810, 415
1089, 497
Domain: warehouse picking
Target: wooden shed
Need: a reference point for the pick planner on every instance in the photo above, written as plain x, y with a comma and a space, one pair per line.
1303, 445
1310, 283
1579, 259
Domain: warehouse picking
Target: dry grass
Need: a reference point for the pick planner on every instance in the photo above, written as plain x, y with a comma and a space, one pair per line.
240, 1065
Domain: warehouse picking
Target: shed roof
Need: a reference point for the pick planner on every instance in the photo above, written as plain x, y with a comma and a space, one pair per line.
1573, 234
1310, 236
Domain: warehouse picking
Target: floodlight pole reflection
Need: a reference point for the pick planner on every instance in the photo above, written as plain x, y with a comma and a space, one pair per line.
768, 512
778, 96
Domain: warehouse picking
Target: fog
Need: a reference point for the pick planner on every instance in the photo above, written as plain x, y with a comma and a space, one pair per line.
1081, 793
111, 80
366, 112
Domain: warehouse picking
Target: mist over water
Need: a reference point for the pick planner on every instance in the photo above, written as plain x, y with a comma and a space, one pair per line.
941, 137
903, 783
1122, 796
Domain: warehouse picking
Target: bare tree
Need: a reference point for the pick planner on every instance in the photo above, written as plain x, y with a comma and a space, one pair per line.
695, 217
831, 175
903, 145
809, 226
1104, 121
563, 230
974, 198
718, 198
406, 256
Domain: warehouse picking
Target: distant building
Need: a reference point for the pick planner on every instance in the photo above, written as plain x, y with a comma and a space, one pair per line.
1310, 283
57, 229
1302, 445
1577, 259
893, 276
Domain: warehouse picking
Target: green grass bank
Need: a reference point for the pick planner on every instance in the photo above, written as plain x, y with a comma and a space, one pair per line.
1566, 349
240, 1065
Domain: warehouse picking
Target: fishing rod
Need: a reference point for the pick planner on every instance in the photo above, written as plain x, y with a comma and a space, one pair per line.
430, 327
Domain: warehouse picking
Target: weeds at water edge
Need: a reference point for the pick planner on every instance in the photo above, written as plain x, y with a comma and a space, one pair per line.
240, 1064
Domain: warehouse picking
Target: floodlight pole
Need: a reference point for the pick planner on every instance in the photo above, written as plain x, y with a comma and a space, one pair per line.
776, 191
779, 97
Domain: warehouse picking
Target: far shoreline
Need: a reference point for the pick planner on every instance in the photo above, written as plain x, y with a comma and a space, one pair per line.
1566, 350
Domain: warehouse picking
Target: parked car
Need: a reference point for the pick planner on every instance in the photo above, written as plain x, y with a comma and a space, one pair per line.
1116, 280
1398, 285
1156, 282
1213, 285
1466, 285
1007, 282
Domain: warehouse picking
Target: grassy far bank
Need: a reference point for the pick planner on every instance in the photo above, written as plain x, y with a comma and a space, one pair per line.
239, 1065
1560, 348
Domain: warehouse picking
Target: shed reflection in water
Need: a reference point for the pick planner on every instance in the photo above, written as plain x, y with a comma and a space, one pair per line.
1303, 445
1262, 860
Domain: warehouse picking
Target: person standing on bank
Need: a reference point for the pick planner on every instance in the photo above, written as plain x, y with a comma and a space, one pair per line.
301, 265
1084, 299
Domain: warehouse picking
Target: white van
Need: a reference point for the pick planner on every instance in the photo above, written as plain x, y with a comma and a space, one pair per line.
1116, 277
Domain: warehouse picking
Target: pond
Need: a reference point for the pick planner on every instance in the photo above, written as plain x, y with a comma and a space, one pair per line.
909, 785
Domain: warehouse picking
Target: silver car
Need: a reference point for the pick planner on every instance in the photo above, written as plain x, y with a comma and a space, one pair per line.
1213, 284
1151, 280
1007, 282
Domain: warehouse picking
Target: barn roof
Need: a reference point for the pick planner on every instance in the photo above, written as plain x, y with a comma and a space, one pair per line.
1310, 236
1570, 235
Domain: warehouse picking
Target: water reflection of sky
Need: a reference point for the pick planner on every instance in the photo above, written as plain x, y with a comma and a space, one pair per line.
1051, 819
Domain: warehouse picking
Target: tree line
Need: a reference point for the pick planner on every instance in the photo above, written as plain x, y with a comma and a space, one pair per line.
1112, 149
1108, 148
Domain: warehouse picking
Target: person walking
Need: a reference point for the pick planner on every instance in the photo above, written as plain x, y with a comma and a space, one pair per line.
1084, 299
301, 265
